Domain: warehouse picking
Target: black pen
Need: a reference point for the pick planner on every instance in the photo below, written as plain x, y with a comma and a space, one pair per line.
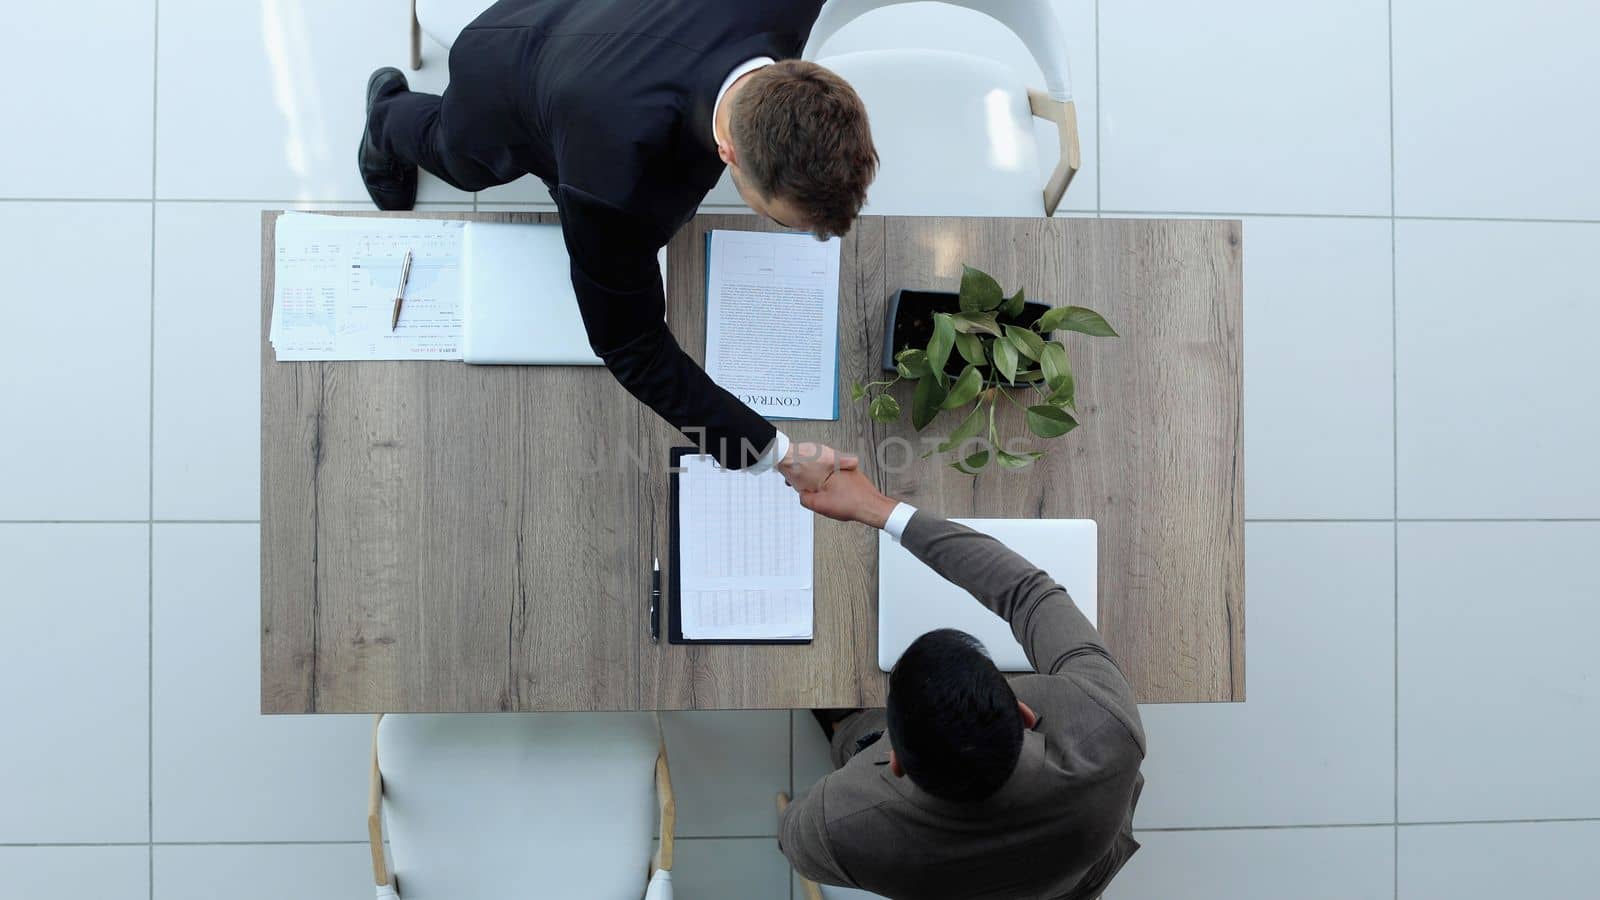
655, 601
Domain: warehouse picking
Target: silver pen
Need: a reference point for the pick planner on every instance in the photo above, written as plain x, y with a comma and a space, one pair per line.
400, 292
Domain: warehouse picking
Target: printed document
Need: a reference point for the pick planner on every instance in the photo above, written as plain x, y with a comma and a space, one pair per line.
745, 551
335, 282
772, 321
489, 293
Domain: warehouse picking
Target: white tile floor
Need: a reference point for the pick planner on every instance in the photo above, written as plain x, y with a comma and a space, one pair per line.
1417, 182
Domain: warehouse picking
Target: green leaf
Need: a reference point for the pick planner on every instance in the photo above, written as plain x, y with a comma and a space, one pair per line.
857, 392
971, 348
912, 363
966, 431
965, 389
884, 408
1005, 359
925, 402
1064, 393
978, 291
944, 337
1086, 321
1013, 307
1053, 362
1049, 422
973, 464
1028, 343
1017, 460
967, 323
1029, 376
1074, 318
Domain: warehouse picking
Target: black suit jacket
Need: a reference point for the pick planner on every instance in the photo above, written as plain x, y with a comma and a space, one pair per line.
610, 102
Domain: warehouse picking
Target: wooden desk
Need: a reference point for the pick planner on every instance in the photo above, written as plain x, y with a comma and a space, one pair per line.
443, 537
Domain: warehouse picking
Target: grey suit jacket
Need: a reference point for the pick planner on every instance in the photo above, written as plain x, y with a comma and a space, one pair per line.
1061, 827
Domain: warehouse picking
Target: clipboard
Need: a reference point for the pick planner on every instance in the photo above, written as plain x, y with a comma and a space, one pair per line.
675, 584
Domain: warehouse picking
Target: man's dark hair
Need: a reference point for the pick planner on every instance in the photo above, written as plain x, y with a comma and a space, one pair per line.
953, 719
801, 134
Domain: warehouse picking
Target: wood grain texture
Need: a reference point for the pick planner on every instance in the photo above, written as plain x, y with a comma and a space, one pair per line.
838, 668
445, 537
1157, 462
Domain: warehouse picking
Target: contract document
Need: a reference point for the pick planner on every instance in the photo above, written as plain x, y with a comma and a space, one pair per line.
745, 551
772, 321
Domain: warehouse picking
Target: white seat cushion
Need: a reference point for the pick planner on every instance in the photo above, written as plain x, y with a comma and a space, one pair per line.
954, 133
495, 806
660, 886
443, 20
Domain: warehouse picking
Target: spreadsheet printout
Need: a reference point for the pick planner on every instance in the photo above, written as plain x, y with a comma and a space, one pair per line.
746, 547
335, 283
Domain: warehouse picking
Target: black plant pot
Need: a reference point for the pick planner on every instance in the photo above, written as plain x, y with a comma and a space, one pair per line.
910, 323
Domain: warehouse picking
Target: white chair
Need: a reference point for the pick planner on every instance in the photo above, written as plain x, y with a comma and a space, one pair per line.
955, 131
511, 805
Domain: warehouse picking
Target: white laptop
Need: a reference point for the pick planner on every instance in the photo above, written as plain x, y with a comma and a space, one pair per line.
518, 305
517, 301
914, 600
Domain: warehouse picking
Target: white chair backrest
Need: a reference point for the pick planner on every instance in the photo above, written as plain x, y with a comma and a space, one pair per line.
975, 154
484, 807
1033, 21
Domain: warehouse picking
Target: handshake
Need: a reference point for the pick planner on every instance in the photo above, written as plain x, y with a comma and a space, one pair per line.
831, 484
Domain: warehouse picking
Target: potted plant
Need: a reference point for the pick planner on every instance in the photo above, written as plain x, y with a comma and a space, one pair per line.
967, 351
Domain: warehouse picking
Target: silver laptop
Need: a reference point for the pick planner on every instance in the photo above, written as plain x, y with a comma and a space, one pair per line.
914, 600
517, 301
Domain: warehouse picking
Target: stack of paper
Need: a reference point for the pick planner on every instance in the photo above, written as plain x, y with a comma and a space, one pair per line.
745, 549
335, 284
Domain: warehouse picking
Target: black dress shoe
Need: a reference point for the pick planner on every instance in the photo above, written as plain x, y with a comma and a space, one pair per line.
391, 182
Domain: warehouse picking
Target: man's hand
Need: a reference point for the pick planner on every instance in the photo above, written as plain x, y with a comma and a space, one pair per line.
809, 466
850, 497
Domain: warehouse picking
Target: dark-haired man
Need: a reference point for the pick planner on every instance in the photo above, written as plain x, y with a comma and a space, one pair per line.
629, 112
969, 786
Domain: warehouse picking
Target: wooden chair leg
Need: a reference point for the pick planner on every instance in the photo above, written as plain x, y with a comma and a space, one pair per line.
1065, 114
416, 39
380, 866
668, 809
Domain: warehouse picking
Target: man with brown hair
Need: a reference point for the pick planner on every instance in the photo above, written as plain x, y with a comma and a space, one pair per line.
629, 112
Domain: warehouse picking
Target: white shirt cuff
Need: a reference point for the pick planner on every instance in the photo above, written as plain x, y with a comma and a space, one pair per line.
776, 451
899, 518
